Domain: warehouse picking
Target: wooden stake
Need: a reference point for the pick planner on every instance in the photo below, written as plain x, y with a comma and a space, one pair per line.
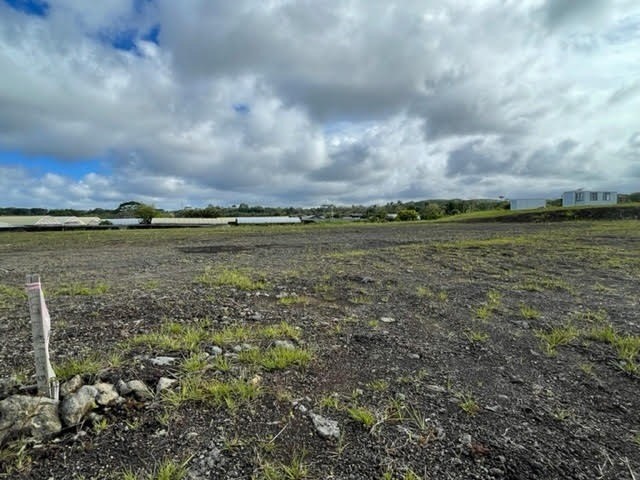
40, 328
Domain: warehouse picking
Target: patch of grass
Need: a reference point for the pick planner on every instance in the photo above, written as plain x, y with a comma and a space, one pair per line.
14, 458
101, 425
586, 368
218, 393
293, 300
556, 337
296, 469
221, 363
173, 336
280, 330
468, 404
194, 363
591, 316
476, 336
605, 334
70, 367
484, 311
330, 402
276, 358
79, 289
231, 278
362, 415
426, 292
10, 294
627, 347
362, 300
378, 385
562, 414
529, 313
167, 470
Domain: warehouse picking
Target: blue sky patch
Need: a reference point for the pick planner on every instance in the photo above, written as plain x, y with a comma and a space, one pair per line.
39, 8
152, 35
121, 40
241, 108
42, 165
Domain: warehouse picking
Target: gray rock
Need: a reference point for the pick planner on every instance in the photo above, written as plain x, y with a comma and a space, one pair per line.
140, 390
325, 427
256, 316
107, 394
71, 386
415, 356
36, 417
436, 388
387, 320
215, 351
465, 440
163, 361
78, 404
165, 383
123, 387
285, 344
243, 347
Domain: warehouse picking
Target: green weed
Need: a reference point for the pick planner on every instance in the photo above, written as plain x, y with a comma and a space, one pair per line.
276, 358
556, 337
475, 336
378, 385
296, 469
231, 278
529, 313
362, 415
70, 367
215, 392
78, 289
468, 404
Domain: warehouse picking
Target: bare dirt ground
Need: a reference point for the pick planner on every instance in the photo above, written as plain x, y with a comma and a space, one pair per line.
442, 351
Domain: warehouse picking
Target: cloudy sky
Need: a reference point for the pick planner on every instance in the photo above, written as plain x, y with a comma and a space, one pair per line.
305, 102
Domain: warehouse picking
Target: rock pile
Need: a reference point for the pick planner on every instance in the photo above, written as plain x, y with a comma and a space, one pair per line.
41, 418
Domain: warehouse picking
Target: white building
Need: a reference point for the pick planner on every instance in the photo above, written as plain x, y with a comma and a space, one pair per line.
527, 203
586, 197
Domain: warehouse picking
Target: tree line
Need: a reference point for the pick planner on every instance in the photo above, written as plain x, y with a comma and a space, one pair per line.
425, 209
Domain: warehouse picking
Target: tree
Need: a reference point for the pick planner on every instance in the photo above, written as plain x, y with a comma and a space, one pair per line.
431, 211
407, 214
145, 213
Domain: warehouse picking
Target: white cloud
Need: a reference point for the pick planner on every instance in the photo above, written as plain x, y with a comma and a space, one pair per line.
287, 102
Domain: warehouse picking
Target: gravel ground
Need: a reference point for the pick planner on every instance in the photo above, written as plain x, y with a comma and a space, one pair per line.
450, 337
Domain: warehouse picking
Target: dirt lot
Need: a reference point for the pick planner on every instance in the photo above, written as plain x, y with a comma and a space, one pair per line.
442, 351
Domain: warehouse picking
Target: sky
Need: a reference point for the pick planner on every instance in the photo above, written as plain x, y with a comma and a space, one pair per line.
307, 102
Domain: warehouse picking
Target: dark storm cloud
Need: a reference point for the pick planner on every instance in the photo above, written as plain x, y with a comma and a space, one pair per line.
470, 160
560, 12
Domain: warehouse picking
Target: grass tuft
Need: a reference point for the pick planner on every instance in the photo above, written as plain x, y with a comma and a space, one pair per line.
231, 278
362, 415
276, 358
556, 337
78, 289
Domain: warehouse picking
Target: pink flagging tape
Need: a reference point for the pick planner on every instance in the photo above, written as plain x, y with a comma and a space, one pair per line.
33, 286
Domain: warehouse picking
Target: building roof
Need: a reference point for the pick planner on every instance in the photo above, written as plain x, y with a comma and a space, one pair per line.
192, 221
266, 220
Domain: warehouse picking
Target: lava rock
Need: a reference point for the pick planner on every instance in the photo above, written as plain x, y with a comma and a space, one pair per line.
78, 404
325, 427
140, 390
36, 417
70, 386
107, 394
